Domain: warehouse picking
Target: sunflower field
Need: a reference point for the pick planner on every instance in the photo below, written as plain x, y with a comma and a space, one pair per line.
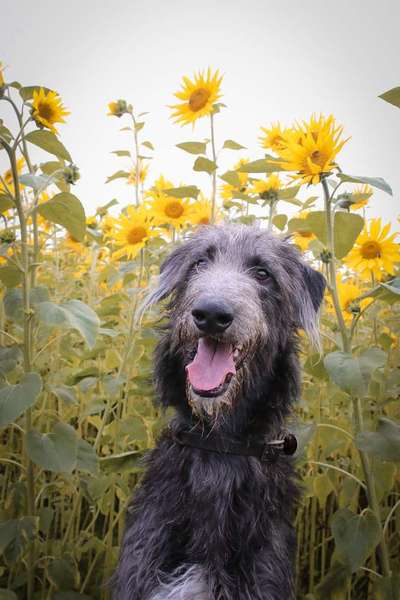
76, 410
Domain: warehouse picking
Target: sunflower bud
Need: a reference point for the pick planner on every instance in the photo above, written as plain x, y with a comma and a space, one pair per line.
7, 236
269, 196
71, 174
325, 256
118, 108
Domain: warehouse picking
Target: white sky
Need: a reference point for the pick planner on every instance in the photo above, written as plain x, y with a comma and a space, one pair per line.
281, 60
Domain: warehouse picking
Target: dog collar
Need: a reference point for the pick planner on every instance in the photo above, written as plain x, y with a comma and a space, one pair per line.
286, 444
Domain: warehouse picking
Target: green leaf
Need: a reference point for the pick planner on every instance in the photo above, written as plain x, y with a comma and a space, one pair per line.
344, 370
231, 177
65, 393
139, 125
370, 360
126, 461
87, 459
49, 167
56, 451
280, 221
386, 588
269, 164
377, 182
7, 595
15, 399
7, 533
6, 202
71, 314
384, 443
14, 535
204, 164
118, 175
62, 573
66, 210
121, 152
304, 433
26, 92
49, 142
185, 191
70, 595
356, 536
148, 145
231, 145
348, 226
392, 96
333, 583
315, 366
10, 356
193, 147
10, 276
288, 193
36, 182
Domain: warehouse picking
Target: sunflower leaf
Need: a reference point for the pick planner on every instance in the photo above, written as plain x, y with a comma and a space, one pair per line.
377, 182
26, 92
231, 177
117, 175
231, 145
148, 145
392, 96
185, 191
65, 209
6, 202
121, 152
204, 164
49, 142
193, 147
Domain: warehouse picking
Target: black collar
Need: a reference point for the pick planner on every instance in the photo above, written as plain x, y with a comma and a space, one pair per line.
286, 444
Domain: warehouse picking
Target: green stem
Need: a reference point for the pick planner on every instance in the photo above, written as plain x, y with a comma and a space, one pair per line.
137, 162
214, 173
27, 353
357, 408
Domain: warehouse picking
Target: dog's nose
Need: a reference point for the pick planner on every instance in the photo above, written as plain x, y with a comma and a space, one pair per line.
212, 316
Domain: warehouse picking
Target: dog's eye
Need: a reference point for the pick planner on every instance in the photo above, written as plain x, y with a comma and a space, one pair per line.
200, 264
261, 274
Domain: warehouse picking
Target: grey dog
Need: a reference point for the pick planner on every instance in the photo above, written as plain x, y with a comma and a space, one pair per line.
213, 516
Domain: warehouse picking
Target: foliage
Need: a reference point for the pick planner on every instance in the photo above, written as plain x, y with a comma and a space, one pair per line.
76, 412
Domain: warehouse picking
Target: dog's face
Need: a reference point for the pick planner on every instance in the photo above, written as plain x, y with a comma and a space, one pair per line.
236, 291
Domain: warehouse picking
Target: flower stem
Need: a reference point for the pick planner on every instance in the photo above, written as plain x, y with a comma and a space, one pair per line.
137, 161
214, 173
357, 408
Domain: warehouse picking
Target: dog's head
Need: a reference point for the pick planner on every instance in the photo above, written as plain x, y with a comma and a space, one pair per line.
236, 294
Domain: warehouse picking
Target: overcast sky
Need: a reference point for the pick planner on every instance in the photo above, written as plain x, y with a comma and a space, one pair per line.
281, 61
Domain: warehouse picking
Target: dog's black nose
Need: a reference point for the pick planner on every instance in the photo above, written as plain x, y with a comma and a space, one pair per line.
212, 316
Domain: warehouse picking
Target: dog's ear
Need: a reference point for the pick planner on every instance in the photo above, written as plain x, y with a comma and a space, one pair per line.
309, 302
170, 276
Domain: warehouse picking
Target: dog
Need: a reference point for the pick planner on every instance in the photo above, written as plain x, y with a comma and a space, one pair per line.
213, 516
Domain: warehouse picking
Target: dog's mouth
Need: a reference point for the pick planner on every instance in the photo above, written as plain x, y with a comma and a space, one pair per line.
213, 367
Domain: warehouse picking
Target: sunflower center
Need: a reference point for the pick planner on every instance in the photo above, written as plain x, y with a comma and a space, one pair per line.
371, 249
204, 221
318, 158
198, 99
46, 111
174, 209
136, 235
305, 234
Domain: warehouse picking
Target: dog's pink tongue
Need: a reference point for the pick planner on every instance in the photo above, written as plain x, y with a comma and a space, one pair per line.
212, 363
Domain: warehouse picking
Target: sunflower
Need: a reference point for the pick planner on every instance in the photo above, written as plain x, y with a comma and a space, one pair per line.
360, 196
2, 80
273, 138
201, 214
47, 109
170, 210
303, 236
8, 177
227, 190
267, 189
73, 244
160, 185
143, 171
131, 232
198, 97
117, 108
311, 148
348, 292
375, 251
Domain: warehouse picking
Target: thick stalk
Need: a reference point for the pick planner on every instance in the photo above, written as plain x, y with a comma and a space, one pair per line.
27, 352
214, 173
137, 161
357, 408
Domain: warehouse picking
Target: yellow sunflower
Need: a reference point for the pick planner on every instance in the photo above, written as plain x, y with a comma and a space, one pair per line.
375, 251
303, 237
170, 210
311, 149
267, 189
198, 97
8, 177
273, 138
72, 244
117, 108
47, 109
201, 211
157, 190
348, 293
143, 171
2, 80
360, 196
227, 190
131, 231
